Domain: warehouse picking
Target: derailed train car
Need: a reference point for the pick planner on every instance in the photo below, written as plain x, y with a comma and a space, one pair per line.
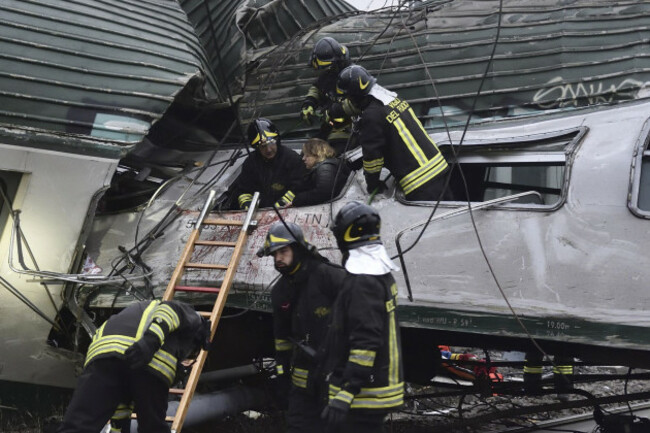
545, 237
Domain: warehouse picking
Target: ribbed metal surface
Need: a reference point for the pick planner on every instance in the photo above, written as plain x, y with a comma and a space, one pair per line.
234, 32
550, 55
101, 68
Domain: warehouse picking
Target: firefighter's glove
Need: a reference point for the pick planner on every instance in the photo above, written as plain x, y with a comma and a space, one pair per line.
337, 410
307, 113
336, 116
141, 352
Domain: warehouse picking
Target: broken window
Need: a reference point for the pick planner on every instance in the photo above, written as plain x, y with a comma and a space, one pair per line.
495, 168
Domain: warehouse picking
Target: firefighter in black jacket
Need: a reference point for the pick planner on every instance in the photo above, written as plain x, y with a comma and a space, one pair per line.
302, 301
272, 169
330, 57
133, 358
391, 135
363, 354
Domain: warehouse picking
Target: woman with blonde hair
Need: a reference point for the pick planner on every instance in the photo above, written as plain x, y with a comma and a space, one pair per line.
325, 178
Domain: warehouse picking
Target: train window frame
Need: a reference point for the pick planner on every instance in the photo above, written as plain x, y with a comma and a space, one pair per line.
639, 188
554, 148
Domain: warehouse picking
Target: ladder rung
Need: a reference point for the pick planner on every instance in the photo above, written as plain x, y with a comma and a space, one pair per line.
206, 266
205, 314
197, 289
169, 418
222, 222
216, 243
176, 391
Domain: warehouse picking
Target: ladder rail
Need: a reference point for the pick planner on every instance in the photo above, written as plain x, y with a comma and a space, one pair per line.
217, 309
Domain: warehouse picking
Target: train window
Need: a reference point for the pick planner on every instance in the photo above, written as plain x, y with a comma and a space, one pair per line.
9, 181
496, 168
639, 198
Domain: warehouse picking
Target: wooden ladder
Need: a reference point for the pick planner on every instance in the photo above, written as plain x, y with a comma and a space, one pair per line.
222, 292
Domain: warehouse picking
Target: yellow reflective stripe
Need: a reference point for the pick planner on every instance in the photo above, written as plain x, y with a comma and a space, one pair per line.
344, 396
410, 142
167, 314
393, 350
373, 166
243, 198
422, 175
165, 363
289, 196
299, 377
532, 370
256, 139
279, 369
563, 369
282, 345
122, 411
156, 329
393, 290
365, 358
417, 121
146, 318
108, 344
390, 305
314, 92
322, 62
374, 398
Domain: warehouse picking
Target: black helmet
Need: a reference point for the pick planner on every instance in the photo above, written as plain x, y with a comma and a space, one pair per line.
328, 53
354, 81
282, 234
261, 131
355, 225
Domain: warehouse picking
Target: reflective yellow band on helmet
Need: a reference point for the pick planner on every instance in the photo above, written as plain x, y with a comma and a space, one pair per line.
319, 62
365, 358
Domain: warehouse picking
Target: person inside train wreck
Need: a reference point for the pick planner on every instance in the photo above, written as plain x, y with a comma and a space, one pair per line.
131, 362
362, 355
302, 300
391, 135
271, 169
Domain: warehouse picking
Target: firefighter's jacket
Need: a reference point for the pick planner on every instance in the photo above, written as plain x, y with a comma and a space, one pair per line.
177, 325
322, 183
323, 94
302, 305
363, 351
392, 136
271, 178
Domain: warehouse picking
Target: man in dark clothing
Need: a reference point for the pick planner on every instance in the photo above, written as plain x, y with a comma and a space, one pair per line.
330, 57
133, 358
363, 353
302, 301
391, 135
271, 169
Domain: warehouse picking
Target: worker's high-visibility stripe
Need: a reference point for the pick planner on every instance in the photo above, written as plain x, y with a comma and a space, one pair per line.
385, 397
365, 358
299, 377
373, 166
283, 345
410, 142
422, 175
563, 369
108, 344
145, 320
393, 346
532, 369
167, 314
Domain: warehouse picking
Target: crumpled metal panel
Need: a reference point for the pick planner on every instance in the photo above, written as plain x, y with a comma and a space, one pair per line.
94, 68
550, 55
234, 33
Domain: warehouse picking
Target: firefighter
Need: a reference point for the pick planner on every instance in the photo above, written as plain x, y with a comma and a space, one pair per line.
302, 301
330, 57
272, 169
363, 356
133, 357
391, 135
